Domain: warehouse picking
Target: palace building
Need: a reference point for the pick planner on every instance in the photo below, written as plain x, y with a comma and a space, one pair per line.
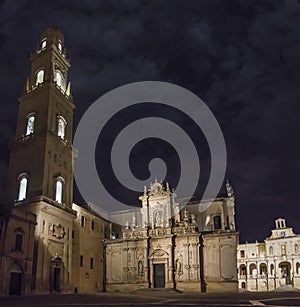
272, 264
51, 245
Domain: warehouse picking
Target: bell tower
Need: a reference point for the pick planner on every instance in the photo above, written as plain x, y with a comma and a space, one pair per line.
40, 178
41, 156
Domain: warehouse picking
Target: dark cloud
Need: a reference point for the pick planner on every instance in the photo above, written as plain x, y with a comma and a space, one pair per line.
241, 57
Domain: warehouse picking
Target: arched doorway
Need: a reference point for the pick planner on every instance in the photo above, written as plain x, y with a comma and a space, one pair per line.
243, 285
55, 272
285, 271
15, 282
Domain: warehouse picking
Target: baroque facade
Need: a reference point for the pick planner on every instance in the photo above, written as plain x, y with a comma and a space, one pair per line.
167, 245
272, 264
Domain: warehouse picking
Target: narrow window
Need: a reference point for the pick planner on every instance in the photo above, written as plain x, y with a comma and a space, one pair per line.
297, 267
39, 77
92, 263
58, 191
242, 254
22, 188
272, 269
271, 250
30, 124
296, 248
61, 127
82, 221
73, 235
18, 242
217, 222
59, 45
58, 78
92, 225
44, 44
81, 260
283, 249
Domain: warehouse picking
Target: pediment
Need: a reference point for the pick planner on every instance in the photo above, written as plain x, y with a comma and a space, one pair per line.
159, 253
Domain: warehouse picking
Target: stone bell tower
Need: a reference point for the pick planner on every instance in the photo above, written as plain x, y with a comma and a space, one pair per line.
40, 178
41, 156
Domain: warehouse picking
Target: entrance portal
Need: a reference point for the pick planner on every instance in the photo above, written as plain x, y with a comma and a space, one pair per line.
55, 270
159, 275
15, 284
286, 272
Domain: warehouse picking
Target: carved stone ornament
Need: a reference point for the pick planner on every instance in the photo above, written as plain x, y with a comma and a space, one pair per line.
159, 253
57, 230
156, 188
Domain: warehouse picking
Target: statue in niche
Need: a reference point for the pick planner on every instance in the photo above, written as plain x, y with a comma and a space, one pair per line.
178, 267
140, 268
158, 218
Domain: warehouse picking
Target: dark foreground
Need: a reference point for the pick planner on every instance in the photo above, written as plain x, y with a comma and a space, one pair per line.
158, 298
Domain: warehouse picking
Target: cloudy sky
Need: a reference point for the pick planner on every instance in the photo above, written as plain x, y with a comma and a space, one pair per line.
242, 58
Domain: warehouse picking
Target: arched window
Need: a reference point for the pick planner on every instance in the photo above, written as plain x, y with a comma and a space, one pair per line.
59, 190
30, 124
252, 268
40, 77
58, 78
217, 222
263, 269
23, 181
59, 45
271, 250
298, 268
296, 248
18, 242
44, 43
243, 269
61, 127
272, 269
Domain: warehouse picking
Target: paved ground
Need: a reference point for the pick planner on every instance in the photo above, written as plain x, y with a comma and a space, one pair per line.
157, 298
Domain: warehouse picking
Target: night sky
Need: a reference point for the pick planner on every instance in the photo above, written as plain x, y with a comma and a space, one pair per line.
242, 58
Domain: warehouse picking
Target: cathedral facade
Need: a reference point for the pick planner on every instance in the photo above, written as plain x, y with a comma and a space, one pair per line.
166, 244
51, 245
